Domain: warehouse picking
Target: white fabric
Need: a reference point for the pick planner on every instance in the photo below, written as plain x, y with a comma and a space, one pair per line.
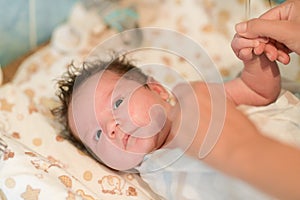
189, 179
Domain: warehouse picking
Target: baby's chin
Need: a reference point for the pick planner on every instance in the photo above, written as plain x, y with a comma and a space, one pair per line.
126, 162
141, 145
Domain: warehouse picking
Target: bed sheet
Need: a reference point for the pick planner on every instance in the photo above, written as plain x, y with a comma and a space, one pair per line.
36, 162
1, 76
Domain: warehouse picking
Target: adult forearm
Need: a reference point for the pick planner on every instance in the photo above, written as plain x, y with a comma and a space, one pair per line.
243, 152
269, 165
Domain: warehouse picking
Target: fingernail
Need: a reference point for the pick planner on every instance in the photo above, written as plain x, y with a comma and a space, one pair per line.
241, 27
269, 56
281, 59
263, 39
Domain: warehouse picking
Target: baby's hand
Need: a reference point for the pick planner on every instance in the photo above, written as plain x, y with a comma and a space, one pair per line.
246, 49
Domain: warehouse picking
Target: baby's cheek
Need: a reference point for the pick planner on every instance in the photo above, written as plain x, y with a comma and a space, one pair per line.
139, 114
141, 145
149, 117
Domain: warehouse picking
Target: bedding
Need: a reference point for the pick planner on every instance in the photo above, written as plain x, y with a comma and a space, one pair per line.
187, 178
37, 163
1, 76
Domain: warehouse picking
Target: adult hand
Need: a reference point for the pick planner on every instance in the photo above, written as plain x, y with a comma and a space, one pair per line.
281, 24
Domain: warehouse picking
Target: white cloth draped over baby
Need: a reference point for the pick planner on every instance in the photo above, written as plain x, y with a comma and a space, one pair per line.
175, 176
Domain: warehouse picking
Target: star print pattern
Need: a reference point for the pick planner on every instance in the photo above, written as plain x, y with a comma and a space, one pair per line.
5, 105
30, 193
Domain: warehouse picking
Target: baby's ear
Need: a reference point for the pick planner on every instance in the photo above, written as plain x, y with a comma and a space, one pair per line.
158, 88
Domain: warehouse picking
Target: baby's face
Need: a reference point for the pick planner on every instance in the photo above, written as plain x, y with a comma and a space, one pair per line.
118, 119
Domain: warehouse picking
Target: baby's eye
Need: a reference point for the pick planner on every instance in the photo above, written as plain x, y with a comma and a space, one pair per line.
98, 134
118, 103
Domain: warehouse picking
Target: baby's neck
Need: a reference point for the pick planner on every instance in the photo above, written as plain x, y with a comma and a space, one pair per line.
175, 118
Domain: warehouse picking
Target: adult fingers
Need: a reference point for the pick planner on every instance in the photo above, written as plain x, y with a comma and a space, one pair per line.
255, 28
276, 30
283, 57
274, 51
271, 52
283, 53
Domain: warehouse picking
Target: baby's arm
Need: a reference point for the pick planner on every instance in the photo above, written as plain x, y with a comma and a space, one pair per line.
259, 82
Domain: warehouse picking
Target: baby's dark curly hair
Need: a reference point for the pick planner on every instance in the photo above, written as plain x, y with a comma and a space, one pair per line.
66, 86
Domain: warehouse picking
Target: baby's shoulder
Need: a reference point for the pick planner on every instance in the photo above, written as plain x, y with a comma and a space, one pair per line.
198, 87
183, 86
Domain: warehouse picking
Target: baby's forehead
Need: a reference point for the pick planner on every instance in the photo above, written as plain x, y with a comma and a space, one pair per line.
81, 111
96, 95
100, 85
104, 86
94, 81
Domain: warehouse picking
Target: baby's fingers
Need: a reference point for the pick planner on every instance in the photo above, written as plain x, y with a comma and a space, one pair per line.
245, 54
259, 49
239, 43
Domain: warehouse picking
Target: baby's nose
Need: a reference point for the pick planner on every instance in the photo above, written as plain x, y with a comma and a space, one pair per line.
111, 129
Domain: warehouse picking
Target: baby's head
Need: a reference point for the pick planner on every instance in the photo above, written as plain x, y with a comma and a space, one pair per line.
114, 111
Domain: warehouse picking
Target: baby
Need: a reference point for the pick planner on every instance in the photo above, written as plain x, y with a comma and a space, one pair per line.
119, 114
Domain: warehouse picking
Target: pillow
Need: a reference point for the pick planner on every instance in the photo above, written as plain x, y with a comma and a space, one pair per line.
26, 174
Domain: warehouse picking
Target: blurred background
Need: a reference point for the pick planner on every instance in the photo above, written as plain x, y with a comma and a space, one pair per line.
25, 24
